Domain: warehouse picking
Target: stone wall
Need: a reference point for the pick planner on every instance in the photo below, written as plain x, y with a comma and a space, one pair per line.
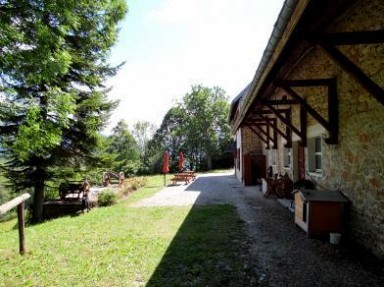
356, 164
251, 142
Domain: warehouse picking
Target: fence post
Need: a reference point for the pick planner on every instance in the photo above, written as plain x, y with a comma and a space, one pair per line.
19, 202
21, 223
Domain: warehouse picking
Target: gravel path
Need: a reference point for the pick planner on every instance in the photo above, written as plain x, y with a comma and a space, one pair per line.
279, 252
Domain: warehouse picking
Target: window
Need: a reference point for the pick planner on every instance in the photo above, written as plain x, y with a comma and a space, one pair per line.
315, 162
287, 157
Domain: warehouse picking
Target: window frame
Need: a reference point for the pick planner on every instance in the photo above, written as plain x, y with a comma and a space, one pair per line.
287, 157
315, 152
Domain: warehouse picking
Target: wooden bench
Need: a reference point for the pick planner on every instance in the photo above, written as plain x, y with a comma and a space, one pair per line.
73, 190
180, 177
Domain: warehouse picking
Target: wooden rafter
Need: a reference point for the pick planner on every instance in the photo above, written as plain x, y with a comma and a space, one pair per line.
257, 134
305, 83
272, 122
279, 102
262, 119
333, 113
306, 106
267, 123
256, 113
266, 133
303, 126
354, 38
332, 124
344, 62
287, 112
290, 127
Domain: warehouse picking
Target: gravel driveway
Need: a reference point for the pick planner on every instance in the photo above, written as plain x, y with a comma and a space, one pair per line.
279, 252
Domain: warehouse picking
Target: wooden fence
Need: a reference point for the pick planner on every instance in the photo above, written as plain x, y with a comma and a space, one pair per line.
19, 202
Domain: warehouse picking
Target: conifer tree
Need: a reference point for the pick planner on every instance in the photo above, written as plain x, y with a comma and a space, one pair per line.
53, 63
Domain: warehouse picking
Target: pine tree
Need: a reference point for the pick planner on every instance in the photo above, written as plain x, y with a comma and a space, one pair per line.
53, 62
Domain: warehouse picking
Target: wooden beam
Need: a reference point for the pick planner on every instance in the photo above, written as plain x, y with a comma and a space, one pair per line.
266, 112
266, 133
332, 125
305, 83
354, 38
306, 106
303, 126
333, 113
259, 127
287, 122
256, 133
343, 61
288, 117
279, 102
274, 125
269, 136
13, 203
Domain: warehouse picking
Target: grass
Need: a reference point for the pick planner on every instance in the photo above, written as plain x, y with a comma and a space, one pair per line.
125, 246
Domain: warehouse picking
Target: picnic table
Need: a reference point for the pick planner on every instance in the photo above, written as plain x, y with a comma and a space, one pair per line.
185, 176
190, 173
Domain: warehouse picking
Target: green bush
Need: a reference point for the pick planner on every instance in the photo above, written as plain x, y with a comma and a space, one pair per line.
107, 198
4, 195
136, 182
51, 193
131, 168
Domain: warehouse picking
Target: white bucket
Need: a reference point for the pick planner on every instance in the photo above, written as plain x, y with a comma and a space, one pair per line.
334, 238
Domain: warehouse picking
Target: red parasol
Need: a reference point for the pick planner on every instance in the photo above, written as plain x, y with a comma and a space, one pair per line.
181, 161
165, 162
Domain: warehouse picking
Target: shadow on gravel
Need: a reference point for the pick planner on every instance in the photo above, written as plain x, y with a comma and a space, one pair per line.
214, 247
209, 248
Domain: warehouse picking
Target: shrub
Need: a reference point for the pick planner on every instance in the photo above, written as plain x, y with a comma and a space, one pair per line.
51, 193
125, 190
136, 182
107, 198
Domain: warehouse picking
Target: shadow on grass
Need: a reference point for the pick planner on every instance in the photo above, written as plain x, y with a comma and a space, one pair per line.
210, 248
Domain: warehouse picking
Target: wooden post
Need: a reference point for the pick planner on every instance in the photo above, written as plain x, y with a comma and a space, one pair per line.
21, 223
19, 202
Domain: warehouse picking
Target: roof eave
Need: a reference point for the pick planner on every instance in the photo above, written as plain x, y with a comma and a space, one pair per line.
286, 23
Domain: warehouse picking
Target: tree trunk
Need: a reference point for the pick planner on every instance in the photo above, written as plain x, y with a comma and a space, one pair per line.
38, 197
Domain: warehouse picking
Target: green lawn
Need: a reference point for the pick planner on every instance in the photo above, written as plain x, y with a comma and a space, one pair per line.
126, 246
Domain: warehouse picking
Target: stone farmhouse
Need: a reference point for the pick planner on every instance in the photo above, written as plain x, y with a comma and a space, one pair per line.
315, 108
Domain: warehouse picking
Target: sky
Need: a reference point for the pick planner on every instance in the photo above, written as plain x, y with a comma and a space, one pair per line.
170, 45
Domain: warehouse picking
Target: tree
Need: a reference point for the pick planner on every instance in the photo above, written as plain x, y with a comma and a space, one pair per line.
167, 137
124, 148
205, 111
52, 67
197, 126
143, 131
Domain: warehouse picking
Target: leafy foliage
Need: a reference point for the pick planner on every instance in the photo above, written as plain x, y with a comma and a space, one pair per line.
107, 198
123, 149
198, 127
